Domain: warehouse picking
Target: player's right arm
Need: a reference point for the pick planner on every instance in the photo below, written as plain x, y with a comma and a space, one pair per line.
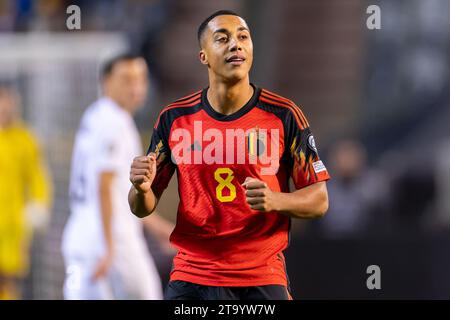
151, 174
141, 197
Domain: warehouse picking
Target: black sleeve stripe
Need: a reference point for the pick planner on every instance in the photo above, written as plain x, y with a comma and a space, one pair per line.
287, 101
192, 102
297, 117
188, 97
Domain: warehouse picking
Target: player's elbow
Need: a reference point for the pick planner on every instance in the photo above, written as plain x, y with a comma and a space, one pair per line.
139, 213
322, 204
322, 209
137, 206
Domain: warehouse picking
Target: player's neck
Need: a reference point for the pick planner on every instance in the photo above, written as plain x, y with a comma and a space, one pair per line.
117, 102
6, 123
227, 99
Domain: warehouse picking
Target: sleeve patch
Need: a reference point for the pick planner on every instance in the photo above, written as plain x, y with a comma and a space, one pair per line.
319, 166
312, 143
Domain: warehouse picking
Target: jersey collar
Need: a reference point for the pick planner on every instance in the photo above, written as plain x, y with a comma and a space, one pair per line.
229, 117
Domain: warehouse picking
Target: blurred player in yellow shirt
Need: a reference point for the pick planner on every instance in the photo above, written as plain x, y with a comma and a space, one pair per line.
24, 194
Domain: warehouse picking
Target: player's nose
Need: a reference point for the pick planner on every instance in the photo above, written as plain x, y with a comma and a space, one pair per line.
235, 44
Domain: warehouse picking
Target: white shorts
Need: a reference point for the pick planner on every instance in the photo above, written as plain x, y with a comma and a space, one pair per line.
130, 277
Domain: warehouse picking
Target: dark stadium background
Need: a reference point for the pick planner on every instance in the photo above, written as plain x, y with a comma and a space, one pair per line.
382, 94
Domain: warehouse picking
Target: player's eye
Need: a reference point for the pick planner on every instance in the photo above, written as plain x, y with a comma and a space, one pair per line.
243, 36
221, 39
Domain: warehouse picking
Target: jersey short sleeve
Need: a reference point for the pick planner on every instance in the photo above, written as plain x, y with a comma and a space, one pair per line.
108, 152
164, 165
302, 152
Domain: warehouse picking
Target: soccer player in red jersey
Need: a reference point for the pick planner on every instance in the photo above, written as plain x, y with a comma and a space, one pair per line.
234, 147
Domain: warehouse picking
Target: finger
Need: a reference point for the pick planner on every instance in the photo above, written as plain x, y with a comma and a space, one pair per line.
141, 165
255, 184
255, 193
247, 179
137, 180
253, 201
141, 159
97, 273
258, 207
153, 165
151, 156
141, 172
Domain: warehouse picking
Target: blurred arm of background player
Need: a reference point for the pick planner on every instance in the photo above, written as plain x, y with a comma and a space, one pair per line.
157, 225
161, 228
105, 185
143, 200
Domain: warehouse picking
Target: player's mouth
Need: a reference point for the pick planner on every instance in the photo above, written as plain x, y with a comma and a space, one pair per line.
235, 60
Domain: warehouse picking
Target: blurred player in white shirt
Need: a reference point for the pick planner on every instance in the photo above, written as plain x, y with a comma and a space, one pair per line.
103, 244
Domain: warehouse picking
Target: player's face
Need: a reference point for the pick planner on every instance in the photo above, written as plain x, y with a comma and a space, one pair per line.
128, 83
227, 48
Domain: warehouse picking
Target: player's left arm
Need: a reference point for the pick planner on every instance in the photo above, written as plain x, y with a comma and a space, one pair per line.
106, 179
310, 199
306, 203
108, 165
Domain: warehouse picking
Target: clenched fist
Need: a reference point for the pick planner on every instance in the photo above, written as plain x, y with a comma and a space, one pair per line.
259, 196
143, 171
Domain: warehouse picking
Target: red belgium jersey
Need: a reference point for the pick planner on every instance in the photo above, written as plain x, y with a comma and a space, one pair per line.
221, 241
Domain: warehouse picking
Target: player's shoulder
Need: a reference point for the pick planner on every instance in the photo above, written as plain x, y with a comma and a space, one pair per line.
93, 112
276, 99
103, 118
190, 100
185, 105
283, 105
106, 111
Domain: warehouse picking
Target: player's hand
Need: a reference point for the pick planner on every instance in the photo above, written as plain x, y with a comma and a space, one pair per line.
143, 171
259, 196
102, 267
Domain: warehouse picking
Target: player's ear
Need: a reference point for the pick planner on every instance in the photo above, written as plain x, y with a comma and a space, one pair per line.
203, 58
